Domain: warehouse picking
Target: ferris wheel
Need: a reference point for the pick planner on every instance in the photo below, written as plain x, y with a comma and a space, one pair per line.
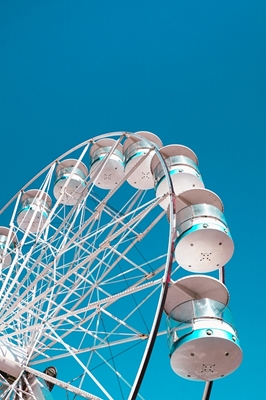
86, 251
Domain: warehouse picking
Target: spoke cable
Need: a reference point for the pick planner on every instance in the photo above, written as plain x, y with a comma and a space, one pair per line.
112, 360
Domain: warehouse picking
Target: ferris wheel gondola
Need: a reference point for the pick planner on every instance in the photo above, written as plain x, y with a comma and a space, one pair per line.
78, 274
86, 262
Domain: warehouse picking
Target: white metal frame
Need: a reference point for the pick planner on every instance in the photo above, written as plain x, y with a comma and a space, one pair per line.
76, 289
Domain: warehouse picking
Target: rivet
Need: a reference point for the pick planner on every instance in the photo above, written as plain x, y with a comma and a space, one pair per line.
234, 338
209, 332
205, 225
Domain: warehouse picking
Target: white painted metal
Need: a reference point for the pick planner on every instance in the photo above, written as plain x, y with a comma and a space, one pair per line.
202, 339
64, 385
195, 287
82, 277
209, 357
8, 243
84, 286
183, 167
107, 163
173, 150
140, 150
198, 196
35, 208
208, 251
204, 241
10, 357
75, 173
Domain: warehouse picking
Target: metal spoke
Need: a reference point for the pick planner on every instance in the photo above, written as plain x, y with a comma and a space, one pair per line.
82, 274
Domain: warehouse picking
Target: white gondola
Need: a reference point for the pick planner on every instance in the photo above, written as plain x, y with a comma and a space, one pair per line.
138, 155
182, 163
202, 338
70, 181
204, 242
6, 247
34, 210
107, 163
72, 269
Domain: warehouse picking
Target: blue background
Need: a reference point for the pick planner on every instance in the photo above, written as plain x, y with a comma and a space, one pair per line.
192, 72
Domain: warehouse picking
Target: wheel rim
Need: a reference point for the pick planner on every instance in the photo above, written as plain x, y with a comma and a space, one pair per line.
85, 290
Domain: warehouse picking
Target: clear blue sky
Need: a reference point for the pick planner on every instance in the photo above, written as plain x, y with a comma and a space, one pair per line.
193, 72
